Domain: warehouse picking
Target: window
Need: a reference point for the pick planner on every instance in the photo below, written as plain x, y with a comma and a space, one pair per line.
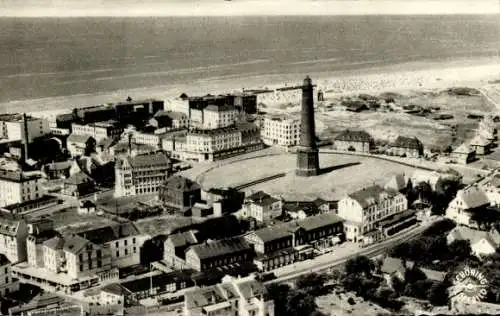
126, 251
99, 253
118, 253
80, 256
125, 242
116, 244
81, 267
99, 263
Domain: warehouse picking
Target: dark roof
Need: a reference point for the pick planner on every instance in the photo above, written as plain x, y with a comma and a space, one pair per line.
180, 183
109, 233
313, 222
9, 226
354, 136
407, 142
144, 284
261, 198
163, 120
219, 108
3, 260
79, 138
17, 176
78, 178
215, 131
115, 288
155, 159
183, 239
171, 114
64, 117
273, 232
70, 243
219, 248
392, 265
246, 127
371, 195
58, 165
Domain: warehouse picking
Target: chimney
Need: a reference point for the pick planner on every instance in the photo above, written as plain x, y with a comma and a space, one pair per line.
25, 139
129, 144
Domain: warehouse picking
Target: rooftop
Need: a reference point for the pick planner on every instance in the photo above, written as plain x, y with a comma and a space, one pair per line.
474, 236
220, 108
371, 195
183, 239
78, 178
16, 117
8, 226
181, 183
354, 136
219, 248
216, 131
115, 289
261, 198
147, 160
109, 233
145, 284
392, 265
407, 142
3, 260
18, 176
73, 138
73, 243
473, 197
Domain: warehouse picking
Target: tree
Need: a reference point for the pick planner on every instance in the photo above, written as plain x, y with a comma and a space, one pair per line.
279, 293
459, 249
437, 294
300, 303
312, 283
358, 265
414, 274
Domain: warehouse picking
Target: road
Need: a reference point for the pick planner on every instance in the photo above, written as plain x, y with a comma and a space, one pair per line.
371, 251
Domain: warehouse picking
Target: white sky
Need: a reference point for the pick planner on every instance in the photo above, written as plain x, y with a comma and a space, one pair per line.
242, 7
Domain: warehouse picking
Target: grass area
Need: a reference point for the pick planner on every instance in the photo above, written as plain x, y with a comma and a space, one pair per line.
331, 185
163, 224
68, 220
122, 204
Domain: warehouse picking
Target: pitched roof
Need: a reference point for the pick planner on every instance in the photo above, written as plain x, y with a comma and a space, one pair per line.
220, 247
270, 233
109, 233
479, 141
172, 115
314, 222
114, 288
433, 274
250, 288
144, 284
473, 197
392, 265
71, 244
73, 138
181, 183
354, 136
261, 198
463, 149
371, 195
155, 159
183, 239
219, 108
9, 226
407, 142
78, 178
474, 236
396, 182
3, 260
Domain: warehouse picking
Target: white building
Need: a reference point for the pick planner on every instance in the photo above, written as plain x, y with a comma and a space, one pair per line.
482, 243
281, 131
219, 116
261, 206
7, 283
242, 297
491, 188
124, 242
12, 127
19, 187
466, 202
98, 131
365, 209
142, 174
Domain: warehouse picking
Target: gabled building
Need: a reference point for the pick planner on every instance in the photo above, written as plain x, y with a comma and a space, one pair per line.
393, 268
18, 187
175, 247
8, 284
123, 240
407, 147
464, 154
491, 188
78, 185
242, 297
214, 254
80, 145
466, 202
13, 234
179, 193
482, 243
481, 145
281, 131
142, 174
364, 211
261, 206
359, 141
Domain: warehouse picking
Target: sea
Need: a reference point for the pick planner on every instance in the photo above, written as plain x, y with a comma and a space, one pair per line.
50, 57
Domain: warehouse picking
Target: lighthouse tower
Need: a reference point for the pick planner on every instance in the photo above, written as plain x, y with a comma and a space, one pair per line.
307, 151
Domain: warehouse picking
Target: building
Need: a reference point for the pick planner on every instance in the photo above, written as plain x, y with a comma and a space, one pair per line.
132, 149
140, 175
12, 127
92, 114
136, 111
245, 102
179, 193
78, 185
359, 141
370, 214
467, 201
58, 170
19, 187
481, 145
39, 231
7, 283
281, 131
261, 206
169, 120
213, 254
482, 243
286, 243
175, 247
157, 285
113, 294
464, 154
491, 187
124, 242
307, 152
393, 268
242, 297
80, 145
397, 182
219, 116
99, 130
406, 147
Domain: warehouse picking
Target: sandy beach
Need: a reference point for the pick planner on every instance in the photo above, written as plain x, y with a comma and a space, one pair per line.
421, 75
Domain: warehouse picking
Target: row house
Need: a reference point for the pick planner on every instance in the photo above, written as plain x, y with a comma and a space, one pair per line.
142, 174
213, 254
80, 145
481, 145
283, 244
407, 147
359, 141
466, 203
364, 211
261, 206
19, 187
8, 284
280, 131
13, 234
175, 246
169, 120
99, 130
233, 296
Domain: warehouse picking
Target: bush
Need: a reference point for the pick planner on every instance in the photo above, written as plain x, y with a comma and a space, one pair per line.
351, 301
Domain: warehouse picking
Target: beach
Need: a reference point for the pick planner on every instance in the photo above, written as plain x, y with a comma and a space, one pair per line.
397, 78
